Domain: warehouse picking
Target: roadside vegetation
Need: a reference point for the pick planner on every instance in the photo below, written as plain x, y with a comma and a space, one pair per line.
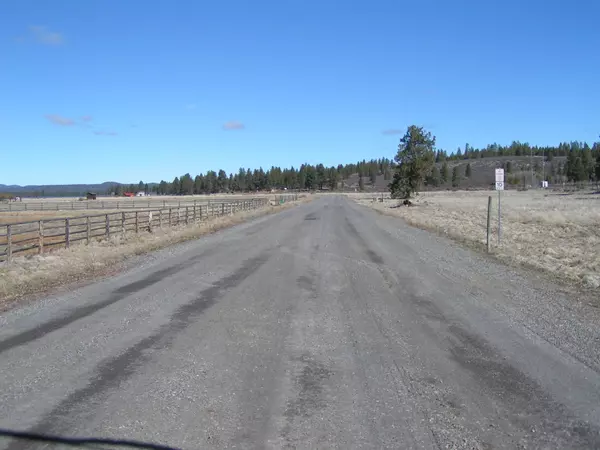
552, 232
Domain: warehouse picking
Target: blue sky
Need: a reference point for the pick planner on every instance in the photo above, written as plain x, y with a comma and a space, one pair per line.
128, 90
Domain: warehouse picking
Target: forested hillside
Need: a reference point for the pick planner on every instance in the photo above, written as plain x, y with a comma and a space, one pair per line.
464, 168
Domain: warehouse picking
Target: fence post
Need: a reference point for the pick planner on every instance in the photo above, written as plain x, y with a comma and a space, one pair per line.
222, 209
123, 223
8, 243
187, 212
200, 213
88, 234
170, 212
41, 236
489, 214
150, 222
160, 218
67, 233
107, 230
136, 222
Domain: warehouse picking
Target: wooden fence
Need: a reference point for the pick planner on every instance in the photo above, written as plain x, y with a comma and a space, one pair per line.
42, 235
108, 203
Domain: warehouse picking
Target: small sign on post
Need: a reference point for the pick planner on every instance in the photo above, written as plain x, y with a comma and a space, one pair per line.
499, 179
499, 187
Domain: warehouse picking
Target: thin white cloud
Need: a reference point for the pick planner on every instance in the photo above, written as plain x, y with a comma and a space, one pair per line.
106, 133
44, 36
60, 120
392, 131
233, 125
86, 118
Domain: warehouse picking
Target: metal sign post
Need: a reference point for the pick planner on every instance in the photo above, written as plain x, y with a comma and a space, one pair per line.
499, 188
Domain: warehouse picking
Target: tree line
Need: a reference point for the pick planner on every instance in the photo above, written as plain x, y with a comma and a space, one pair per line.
582, 164
516, 148
308, 177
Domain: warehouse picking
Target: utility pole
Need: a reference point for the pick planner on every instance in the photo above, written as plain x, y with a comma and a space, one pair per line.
531, 164
543, 165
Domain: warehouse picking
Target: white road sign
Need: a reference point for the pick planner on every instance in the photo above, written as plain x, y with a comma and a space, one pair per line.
500, 175
499, 179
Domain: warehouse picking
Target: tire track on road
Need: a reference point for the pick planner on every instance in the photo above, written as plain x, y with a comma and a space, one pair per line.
110, 373
79, 313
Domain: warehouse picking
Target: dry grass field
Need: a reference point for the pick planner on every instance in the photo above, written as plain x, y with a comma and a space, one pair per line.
26, 216
557, 233
149, 202
212, 197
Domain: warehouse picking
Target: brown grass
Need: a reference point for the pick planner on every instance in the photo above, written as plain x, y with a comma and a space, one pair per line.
26, 216
41, 273
556, 234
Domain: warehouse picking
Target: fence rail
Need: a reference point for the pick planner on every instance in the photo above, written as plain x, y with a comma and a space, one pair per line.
39, 235
115, 204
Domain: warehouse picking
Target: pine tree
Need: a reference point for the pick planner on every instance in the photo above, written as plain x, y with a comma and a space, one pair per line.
580, 171
435, 176
187, 184
455, 177
175, 187
445, 172
415, 160
222, 184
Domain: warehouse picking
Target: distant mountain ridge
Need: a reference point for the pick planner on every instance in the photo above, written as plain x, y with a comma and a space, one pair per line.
58, 189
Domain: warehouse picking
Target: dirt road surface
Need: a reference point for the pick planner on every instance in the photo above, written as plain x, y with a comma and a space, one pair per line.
325, 326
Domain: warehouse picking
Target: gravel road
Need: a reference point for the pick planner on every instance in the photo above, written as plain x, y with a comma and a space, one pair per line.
324, 326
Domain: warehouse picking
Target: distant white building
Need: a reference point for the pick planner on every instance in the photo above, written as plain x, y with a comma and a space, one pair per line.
140, 194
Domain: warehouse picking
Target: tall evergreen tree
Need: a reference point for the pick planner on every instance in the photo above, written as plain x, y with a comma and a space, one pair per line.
175, 186
455, 177
415, 159
445, 172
